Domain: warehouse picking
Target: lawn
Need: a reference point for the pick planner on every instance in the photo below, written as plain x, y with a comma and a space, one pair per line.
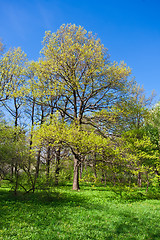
92, 213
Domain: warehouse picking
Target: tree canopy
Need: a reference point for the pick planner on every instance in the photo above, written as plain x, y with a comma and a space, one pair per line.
77, 110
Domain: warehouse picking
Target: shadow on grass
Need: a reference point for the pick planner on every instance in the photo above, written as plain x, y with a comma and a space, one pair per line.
74, 216
137, 226
45, 198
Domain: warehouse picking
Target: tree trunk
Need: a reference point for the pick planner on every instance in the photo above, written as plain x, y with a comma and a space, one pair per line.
139, 180
16, 180
49, 148
105, 179
81, 169
147, 182
157, 173
31, 136
48, 162
37, 169
76, 174
12, 169
94, 166
58, 152
16, 112
39, 153
102, 177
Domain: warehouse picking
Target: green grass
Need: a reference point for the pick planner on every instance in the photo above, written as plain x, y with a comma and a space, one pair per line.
92, 213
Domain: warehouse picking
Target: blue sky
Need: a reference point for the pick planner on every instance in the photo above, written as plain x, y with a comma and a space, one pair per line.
130, 29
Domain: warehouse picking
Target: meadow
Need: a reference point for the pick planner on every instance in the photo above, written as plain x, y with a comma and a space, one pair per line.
97, 213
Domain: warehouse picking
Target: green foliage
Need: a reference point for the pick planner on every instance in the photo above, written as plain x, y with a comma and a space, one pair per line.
12, 143
81, 106
141, 147
12, 73
14, 156
73, 136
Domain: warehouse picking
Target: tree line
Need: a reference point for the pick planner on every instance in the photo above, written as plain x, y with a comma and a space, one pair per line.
74, 114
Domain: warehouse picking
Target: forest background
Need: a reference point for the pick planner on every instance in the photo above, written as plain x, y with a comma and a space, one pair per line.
75, 115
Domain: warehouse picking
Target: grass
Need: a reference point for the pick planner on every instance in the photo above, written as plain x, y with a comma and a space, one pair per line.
92, 213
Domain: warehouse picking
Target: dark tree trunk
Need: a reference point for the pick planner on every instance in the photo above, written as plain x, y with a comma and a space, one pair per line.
81, 169
94, 166
48, 162
49, 148
12, 169
57, 159
14, 162
39, 153
16, 138
16, 179
147, 182
76, 174
157, 173
139, 180
105, 179
32, 124
102, 178
37, 169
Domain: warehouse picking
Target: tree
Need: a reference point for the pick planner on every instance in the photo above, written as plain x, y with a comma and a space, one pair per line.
14, 154
57, 134
77, 65
12, 80
12, 87
152, 127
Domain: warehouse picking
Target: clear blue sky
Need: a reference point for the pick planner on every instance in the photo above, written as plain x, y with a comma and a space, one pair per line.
130, 29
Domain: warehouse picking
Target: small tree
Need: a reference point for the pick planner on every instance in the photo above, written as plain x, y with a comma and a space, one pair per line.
14, 154
73, 137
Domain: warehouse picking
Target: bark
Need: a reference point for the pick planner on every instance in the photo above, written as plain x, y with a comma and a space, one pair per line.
16, 179
76, 174
32, 124
14, 162
49, 148
37, 169
85, 165
139, 179
48, 162
76, 160
75, 105
12, 169
147, 181
39, 153
81, 169
16, 112
102, 177
57, 169
157, 173
105, 179
94, 166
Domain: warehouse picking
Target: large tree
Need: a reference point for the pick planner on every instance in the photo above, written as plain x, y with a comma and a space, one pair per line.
76, 64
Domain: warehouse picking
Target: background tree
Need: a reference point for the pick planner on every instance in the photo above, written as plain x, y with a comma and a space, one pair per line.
14, 154
13, 71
